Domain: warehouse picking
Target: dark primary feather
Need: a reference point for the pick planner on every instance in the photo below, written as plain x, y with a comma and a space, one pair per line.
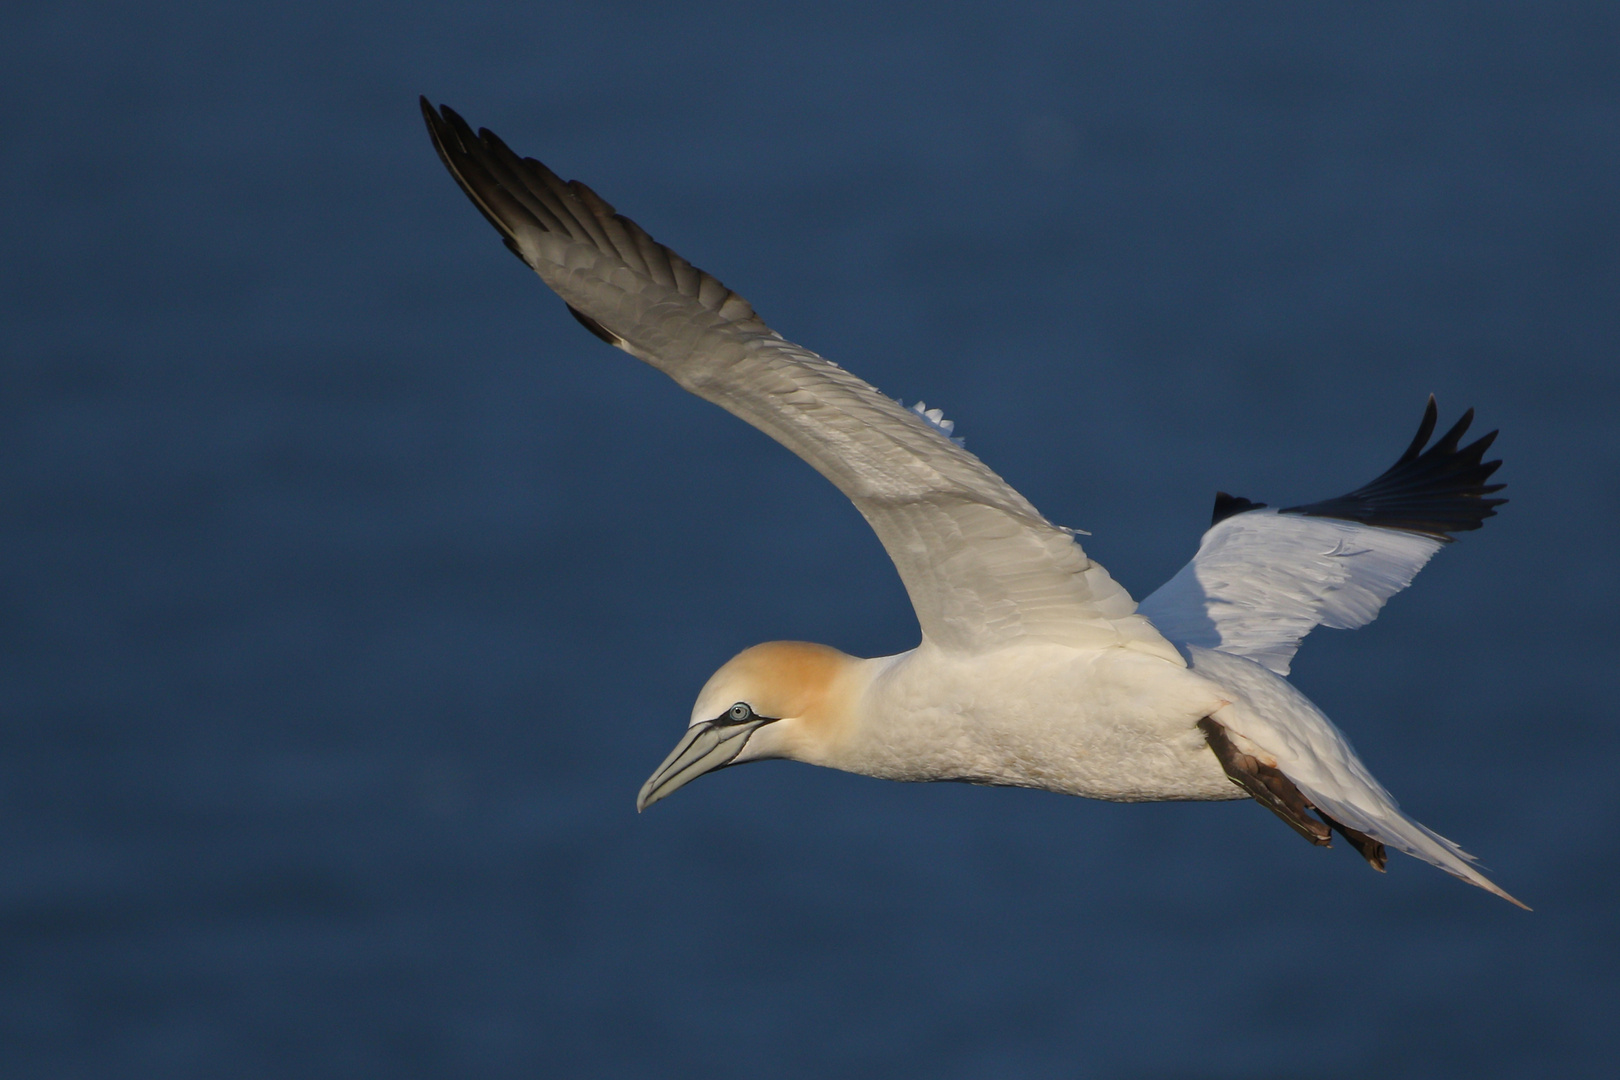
1230, 505
517, 194
1436, 492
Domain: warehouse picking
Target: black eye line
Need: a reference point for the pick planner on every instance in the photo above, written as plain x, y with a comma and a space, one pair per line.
725, 719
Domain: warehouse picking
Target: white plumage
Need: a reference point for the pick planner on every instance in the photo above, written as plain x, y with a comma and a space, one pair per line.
1035, 668
1262, 580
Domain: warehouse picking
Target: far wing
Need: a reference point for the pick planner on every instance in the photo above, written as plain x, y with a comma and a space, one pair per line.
1263, 579
980, 563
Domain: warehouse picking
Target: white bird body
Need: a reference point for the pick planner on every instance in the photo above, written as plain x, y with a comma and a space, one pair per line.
1113, 723
1035, 669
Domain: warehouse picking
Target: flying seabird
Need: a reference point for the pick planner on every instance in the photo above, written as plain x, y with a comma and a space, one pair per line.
1035, 669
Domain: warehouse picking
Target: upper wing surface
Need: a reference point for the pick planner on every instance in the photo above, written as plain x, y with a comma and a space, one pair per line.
981, 565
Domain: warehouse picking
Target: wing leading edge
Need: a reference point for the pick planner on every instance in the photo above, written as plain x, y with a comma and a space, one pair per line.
981, 565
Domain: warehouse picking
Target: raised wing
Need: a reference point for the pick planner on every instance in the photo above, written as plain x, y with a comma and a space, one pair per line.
980, 563
1263, 579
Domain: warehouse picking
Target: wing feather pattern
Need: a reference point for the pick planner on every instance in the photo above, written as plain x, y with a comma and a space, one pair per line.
1264, 578
980, 564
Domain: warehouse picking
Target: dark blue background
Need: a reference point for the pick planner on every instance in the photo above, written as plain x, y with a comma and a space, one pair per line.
349, 590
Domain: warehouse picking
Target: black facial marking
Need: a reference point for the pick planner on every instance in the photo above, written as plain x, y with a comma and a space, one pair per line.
741, 713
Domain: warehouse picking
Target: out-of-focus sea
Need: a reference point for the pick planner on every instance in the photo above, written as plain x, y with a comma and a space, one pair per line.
349, 590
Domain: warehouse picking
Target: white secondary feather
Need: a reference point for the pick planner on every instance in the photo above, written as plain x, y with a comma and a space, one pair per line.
1262, 580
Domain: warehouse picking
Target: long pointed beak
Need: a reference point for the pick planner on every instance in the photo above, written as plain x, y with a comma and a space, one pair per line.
705, 747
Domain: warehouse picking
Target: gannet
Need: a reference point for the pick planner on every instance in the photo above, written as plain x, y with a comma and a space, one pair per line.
1035, 668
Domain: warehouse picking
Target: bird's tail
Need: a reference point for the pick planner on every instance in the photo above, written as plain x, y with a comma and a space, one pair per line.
1278, 721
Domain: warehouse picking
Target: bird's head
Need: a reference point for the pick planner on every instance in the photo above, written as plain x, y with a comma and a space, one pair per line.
783, 699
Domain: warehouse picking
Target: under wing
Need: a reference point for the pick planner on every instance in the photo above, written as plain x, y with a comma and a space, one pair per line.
981, 565
1264, 578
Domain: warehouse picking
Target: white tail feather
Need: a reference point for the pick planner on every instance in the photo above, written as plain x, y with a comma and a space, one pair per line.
1270, 713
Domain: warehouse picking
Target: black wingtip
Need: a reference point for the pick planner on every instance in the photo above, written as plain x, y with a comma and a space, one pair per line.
1435, 491
1431, 416
475, 162
441, 121
1231, 505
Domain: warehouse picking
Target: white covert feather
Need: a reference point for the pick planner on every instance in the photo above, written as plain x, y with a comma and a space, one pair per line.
1262, 580
936, 417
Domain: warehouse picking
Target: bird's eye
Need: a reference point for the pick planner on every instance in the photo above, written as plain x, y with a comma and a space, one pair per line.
739, 712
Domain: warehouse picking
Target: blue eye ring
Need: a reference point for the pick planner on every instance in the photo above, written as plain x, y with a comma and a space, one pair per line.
739, 713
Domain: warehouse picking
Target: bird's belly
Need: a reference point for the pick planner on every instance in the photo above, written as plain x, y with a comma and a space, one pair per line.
1111, 724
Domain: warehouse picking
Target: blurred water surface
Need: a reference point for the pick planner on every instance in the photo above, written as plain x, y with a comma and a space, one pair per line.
350, 590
